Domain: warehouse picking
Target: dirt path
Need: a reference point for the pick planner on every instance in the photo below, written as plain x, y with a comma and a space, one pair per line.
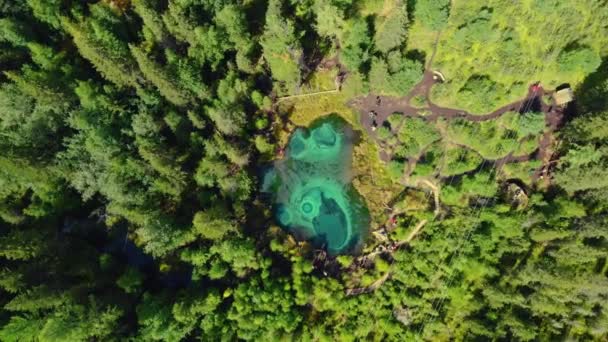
413, 234
554, 119
376, 284
435, 191
384, 106
308, 94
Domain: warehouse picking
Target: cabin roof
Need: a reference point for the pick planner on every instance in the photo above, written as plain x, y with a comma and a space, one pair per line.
563, 96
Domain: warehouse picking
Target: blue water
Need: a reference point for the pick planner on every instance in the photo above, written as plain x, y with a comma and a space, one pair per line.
311, 187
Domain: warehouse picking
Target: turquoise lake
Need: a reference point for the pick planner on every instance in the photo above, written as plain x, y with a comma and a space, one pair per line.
311, 190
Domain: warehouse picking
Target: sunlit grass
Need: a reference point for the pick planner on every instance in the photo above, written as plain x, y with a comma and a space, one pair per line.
304, 110
511, 52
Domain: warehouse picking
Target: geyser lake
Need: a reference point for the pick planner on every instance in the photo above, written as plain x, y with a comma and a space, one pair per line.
311, 187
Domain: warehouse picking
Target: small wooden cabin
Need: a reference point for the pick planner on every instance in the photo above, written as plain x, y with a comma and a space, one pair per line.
563, 96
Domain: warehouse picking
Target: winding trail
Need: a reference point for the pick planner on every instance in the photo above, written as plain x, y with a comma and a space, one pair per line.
384, 106
389, 105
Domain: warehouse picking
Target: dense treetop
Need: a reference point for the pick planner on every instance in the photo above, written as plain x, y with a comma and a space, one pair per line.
133, 135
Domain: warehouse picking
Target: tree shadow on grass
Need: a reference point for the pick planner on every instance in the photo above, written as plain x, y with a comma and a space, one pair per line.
591, 94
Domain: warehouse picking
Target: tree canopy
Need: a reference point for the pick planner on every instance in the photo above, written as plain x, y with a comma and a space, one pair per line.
136, 136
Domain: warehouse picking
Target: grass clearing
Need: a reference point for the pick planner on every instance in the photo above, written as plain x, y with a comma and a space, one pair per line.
422, 38
371, 178
489, 52
321, 80
304, 110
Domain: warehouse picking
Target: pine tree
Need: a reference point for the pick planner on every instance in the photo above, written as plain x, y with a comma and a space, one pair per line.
432, 13
329, 19
282, 50
23, 244
152, 19
155, 316
233, 20
213, 223
273, 314
228, 119
15, 32
391, 30
167, 84
108, 53
356, 44
22, 329
181, 25
48, 11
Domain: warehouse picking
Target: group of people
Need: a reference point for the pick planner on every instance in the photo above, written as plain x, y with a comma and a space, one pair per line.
373, 115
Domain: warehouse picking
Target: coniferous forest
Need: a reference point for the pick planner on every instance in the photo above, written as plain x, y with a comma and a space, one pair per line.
136, 136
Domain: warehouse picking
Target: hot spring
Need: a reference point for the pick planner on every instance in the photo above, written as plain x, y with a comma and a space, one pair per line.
311, 187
